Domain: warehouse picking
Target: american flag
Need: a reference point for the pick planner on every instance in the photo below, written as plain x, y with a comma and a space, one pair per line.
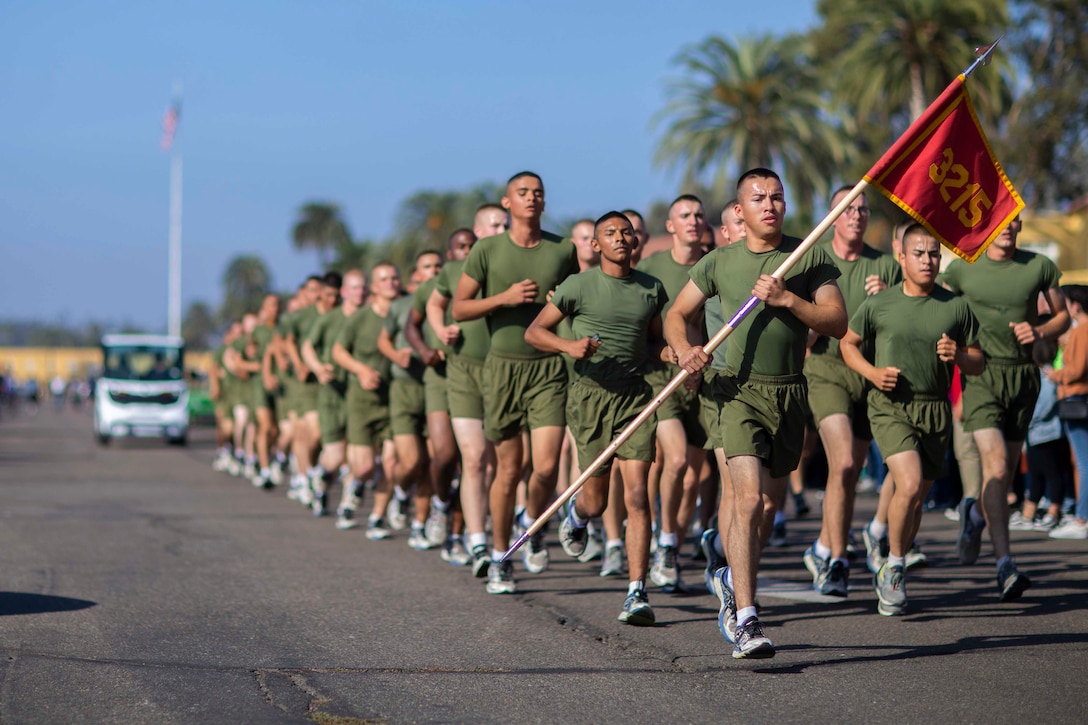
170, 125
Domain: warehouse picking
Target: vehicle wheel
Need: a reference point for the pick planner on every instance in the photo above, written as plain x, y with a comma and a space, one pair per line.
179, 441
103, 439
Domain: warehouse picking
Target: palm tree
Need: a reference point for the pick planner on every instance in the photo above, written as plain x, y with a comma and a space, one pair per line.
198, 326
890, 59
753, 103
321, 227
245, 282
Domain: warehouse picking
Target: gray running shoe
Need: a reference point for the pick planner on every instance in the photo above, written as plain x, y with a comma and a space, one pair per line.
970, 539
778, 536
751, 643
397, 514
664, 571
534, 554
816, 565
437, 526
318, 504
727, 607
714, 560
500, 578
572, 538
418, 540
346, 520
876, 550
1010, 582
834, 581
891, 591
454, 552
636, 610
376, 530
481, 561
915, 557
613, 563
594, 547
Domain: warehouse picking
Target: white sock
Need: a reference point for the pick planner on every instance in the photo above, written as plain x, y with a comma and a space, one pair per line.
1002, 560
636, 586
845, 562
719, 545
896, 560
877, 530
475, 540
578, 521
439, 504
496, 555
821, 551
526, 520
729, 576
664, 539
613, 542
399, 493
743, 615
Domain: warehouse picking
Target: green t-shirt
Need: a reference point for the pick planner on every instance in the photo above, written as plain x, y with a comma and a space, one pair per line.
395, 323
297, 326
852, 284
1000, 293
323, 334
672, 274
419, 305
770, 340
619, 309
496, 263
359, 336
902, 332
475, 340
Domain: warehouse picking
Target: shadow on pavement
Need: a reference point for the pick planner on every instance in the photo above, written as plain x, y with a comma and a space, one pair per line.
25, 603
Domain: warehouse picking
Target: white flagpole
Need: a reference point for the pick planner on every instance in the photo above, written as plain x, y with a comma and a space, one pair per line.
174, 273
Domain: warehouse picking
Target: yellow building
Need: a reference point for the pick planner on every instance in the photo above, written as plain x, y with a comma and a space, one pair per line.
71, 363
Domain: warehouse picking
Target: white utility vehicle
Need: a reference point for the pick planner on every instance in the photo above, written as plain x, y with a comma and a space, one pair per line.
142, 392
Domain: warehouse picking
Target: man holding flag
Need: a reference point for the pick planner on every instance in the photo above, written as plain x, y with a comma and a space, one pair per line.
762, 396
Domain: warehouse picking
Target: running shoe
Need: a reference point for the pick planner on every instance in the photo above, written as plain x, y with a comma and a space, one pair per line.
751, 643
876, 550
834, 581
970, 539
1070, 529
665, 572
1017, 522
437, 526
418, 540
891, 591
454, 552
572, 538
1010, 582
613, 562
800, 505
345, 520
500, 578
916, 558
397, 514
1046, 523
534, 554
778, 536
952, 514
727, 607
234, 468
594, 547
221, 464
815, 564
318, 504
275, 474
637, 610
481, 561
376, 529
714, 560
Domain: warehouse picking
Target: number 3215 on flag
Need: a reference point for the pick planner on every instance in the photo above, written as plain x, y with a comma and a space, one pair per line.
952, 177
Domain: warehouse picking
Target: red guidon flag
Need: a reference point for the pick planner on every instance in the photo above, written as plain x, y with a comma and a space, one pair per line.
943, 173
170, 125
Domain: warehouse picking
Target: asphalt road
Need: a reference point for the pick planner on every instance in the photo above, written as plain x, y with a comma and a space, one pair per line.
139, 586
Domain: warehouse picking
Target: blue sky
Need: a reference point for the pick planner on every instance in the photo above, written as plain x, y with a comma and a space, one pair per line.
359, 103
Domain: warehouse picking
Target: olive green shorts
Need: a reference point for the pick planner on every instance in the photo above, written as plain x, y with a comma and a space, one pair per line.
465, 387
289, 401
407, 407
259, 397
763, 416
683, 405
332, 412
596, 415
922, 425
523, 393
368, 415
1002, 397
437, 394
834, 388
709, 410
306, 397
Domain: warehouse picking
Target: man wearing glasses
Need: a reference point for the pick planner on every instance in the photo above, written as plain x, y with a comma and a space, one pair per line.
837, 395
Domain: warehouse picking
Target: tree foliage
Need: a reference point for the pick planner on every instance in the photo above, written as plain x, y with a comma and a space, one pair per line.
245, 282
198, 326
320, 227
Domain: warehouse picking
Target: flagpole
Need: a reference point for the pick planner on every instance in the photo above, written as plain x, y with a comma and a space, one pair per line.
983, 54
173, 303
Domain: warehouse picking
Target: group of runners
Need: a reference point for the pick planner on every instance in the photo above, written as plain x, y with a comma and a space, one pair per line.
517, 356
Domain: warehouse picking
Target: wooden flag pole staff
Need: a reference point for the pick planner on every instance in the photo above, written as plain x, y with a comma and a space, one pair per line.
713, 344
